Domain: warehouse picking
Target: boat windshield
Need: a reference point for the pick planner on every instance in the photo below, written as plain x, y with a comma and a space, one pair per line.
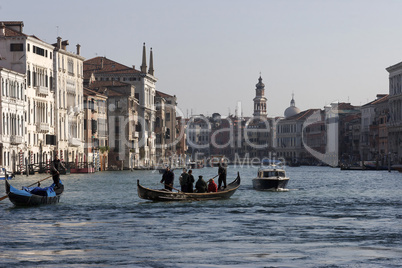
274, 174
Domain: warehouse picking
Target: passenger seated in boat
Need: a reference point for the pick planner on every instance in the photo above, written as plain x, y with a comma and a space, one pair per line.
212, 187
201, 185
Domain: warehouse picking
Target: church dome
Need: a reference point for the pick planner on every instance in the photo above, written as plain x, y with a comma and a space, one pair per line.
292, 109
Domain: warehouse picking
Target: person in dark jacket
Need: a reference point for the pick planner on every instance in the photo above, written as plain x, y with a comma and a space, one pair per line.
191, 180
222, 175
167, 179
201, 185
56, 166
184, 181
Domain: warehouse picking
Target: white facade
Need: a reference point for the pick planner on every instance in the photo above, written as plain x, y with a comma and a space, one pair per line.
12, 123
68, 73
34, 58
395, 112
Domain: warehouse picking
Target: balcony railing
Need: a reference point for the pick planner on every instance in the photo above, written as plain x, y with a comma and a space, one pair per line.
15, 139
42, 90
74, 142
42, 127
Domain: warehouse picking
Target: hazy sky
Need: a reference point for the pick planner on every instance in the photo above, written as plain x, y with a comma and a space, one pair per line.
210, 53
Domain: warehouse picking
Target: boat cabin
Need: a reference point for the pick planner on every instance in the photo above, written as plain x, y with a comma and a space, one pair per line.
271, 173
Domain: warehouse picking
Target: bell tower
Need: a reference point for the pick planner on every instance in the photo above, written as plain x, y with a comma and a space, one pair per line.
260, 102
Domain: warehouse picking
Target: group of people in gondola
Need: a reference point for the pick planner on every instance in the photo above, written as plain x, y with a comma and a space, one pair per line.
187, 181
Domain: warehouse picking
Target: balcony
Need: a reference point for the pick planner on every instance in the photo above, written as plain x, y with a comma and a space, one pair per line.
42, 127
133, 135
75, 142
42, 90
15, 140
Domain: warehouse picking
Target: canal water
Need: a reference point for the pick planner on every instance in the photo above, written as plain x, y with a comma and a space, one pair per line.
328, 218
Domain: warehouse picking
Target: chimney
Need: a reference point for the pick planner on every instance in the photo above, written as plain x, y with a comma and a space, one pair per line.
144, 61
78, 49
64, 44
2, 29
101, 63
59, 42
151, 64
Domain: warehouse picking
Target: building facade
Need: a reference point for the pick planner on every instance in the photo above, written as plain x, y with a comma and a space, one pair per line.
144, 82
12, 117
69, 115
395, 112
34, 58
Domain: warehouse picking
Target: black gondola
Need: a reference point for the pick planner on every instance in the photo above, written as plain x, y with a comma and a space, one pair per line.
34, 196
165, 195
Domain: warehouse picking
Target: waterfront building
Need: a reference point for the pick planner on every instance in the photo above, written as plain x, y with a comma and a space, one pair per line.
12, 120
181, 137
68, 94
289, 137
395, 112
122, 126
144, 82
198, 133
374, 132
165, 126
96, 137
29, 55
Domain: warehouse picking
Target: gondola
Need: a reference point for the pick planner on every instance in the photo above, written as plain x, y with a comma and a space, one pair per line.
34, 196
165, 195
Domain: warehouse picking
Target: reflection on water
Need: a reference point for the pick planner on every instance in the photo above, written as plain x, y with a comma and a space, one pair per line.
327, 217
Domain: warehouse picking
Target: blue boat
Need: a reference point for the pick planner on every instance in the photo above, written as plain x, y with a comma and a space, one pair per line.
34, 196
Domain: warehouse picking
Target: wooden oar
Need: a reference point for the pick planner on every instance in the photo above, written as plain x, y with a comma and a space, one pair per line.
4, 197
40, 181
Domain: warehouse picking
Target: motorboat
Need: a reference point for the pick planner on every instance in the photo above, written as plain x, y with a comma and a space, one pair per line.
271, 178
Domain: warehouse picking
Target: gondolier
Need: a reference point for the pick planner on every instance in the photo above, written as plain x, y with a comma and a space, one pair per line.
222, 175
167, 179
57, 165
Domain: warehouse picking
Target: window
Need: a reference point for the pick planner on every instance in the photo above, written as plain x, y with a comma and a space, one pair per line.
70, 66
16, 47
38, 50
167, 117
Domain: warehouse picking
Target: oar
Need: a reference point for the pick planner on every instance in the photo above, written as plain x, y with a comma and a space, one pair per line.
4, 197
40, 181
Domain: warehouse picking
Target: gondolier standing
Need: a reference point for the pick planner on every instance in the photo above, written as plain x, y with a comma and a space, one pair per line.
222, 175
57, 165
167, 179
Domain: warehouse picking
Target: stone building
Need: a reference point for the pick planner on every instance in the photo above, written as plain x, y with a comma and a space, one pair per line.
144, 81
69, 116
123, 128
29, 55
12, 120
165, 126
96, 139
395, 112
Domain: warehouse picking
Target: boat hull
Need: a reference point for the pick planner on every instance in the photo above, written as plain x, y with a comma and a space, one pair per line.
268, 184
165, 195
23, 198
